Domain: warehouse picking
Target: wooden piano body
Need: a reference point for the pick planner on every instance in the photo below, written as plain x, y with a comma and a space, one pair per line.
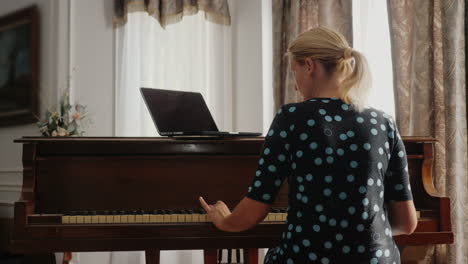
63, 175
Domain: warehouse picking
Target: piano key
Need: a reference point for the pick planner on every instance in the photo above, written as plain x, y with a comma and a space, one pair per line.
65, 219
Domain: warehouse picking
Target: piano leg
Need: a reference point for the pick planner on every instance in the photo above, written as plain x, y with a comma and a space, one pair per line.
152, 256
251, 255
67, 256
210, 256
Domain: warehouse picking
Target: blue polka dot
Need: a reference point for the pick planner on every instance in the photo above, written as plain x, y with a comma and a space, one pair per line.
250, 189
344, 223
292, 109
305, 199
272, 168
365, 201
329, 150
289, 261
374, 131
261, 161
379, 253
322, 218
379, 165
344, 107
301, 188
374, 114
300, 179
293, 165
338, 118
298, 229
277, 182
332, 222
350, 178
350, 133
318, 161
266, 151
401, 154
309, 177
399, 187
346, 249
360, 120
351, 210
365, 215
271, 132
325, 261
342, 195
325, 101
339, 237
257, 183
383, 127
303, 136
312, 256
296, 250
313, 145
340, 152
373, 121
286, 146
330, 160
360, 227
328, 118
327, 132
387, 253
288, 236
322, 111
316, 228
374, 261
319, 208
257, 173
390, 135
370, 182
310, 122
381, 152
299, 153
281, 157
328, 178
353, 147
343, 137
266, 197
306, 243
280, 111
362, 189
299, 214
328, 244
291, 127
367, 146
353, 164
361, 249
327, 192
283, 134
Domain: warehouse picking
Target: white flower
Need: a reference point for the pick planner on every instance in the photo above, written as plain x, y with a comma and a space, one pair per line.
54, 133
62, 132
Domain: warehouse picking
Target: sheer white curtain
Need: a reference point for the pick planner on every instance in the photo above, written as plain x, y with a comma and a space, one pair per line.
192, 55
371, 36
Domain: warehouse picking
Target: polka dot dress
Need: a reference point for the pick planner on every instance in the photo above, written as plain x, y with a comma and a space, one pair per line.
342, 167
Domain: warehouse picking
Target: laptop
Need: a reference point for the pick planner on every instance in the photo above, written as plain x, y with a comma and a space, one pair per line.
178, 113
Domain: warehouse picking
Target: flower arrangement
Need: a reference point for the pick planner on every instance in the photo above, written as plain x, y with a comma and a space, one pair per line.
67, 120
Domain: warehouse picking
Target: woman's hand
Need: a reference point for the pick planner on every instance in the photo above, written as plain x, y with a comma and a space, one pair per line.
216, 212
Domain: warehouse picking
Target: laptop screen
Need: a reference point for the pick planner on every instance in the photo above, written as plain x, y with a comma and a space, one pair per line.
177, 111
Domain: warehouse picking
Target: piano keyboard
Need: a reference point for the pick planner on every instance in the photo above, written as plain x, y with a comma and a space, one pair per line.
139, 217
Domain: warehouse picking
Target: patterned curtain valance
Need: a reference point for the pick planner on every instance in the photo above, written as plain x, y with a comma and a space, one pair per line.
172, 11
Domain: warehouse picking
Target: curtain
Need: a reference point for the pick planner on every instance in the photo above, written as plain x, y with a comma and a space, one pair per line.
290, 18
172, 11
429, 80
192, 55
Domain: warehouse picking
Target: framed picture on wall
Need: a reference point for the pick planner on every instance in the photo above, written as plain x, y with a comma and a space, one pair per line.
19, 40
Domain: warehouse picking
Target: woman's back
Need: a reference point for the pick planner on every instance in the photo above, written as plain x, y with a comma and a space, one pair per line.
342, 167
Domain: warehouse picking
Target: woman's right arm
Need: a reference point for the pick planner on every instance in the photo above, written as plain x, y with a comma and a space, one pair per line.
402, 216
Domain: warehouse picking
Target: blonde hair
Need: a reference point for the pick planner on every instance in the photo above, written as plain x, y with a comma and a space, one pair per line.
332, 50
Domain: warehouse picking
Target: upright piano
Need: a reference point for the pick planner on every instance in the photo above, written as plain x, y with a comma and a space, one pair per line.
125, 194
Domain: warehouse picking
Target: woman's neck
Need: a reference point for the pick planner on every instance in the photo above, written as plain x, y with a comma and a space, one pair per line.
324, 89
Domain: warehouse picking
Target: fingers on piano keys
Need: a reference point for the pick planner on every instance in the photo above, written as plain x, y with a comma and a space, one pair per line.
157, 216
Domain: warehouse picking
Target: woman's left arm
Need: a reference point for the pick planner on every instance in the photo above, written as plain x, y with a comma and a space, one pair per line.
247, 214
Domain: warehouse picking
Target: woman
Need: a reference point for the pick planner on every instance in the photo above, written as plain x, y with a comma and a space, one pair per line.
346, 165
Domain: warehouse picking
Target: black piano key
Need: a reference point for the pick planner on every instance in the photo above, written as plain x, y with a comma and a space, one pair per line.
220, 255
238, 256
229, 256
